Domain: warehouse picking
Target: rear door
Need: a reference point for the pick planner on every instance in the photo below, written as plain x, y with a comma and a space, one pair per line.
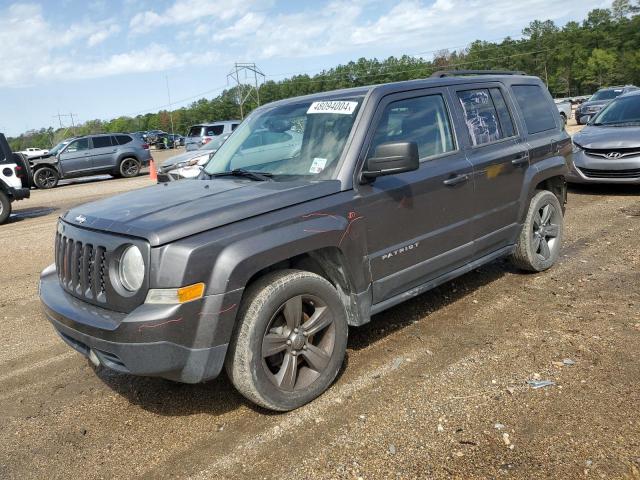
499, 157
102, 152
76, 158
418, 223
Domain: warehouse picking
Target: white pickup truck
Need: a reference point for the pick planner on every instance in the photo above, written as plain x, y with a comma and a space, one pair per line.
32, 152
564, 107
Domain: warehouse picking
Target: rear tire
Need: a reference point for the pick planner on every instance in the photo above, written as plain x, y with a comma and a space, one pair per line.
540, 241
5, 207
129, 167
290, 340
45, 178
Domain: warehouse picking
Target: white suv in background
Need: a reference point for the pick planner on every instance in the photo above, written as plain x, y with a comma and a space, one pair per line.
14, 168
203, 133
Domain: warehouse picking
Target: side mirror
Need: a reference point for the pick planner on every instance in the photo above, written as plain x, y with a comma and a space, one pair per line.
391, 158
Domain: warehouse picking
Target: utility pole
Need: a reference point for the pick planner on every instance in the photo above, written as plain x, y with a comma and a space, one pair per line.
166, 77
247, 87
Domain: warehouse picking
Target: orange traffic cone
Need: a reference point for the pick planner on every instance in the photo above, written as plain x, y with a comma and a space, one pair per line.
153, 174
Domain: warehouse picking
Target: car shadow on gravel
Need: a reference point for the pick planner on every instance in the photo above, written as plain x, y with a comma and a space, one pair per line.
420, 307
31, 212
167, 398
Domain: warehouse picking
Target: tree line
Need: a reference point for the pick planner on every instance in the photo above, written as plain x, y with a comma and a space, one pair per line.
575, 59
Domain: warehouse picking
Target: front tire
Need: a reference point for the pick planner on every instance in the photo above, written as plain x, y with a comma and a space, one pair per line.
45, 178
290, 340
5, 207
540, 241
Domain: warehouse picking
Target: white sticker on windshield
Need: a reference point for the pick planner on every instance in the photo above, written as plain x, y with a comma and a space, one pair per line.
317, 165
345, 108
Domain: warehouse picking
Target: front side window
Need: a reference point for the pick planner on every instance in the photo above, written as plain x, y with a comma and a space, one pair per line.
303, 139
538, 112
213, 130
78, 145
423, 120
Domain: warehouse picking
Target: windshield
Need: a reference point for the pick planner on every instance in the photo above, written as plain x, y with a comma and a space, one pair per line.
55, 150
215, 143
623, 110
606, 94
303, 139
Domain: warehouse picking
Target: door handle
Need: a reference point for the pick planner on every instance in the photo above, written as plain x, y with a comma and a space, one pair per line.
521, 159
450, 182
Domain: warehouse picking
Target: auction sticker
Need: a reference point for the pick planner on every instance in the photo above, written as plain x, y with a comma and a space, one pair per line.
317, 165
345, 108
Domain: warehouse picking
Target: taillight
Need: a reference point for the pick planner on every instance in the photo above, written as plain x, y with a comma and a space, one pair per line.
206, 140
145, 146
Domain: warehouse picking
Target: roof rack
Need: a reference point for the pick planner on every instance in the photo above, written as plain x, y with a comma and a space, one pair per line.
456, 73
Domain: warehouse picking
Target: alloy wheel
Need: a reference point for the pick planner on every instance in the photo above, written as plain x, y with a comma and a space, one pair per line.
298, 343
545, 231
46, 178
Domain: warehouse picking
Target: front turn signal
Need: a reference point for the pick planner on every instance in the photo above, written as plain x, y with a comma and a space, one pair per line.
176, 295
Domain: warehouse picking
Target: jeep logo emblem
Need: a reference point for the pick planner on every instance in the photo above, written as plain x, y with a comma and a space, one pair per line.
81, 219
613, 155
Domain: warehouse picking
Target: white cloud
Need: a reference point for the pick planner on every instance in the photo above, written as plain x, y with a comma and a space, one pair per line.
188, 11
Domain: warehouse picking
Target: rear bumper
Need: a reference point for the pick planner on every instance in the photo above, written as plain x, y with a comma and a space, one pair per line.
185, 343
20, 193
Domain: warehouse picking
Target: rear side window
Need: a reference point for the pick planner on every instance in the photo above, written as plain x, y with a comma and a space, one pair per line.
423, 120
234, 126
536, 108
123, 139
101, 142
213, 130
487, 120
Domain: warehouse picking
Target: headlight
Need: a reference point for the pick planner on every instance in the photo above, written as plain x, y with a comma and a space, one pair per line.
131, 269
576, 148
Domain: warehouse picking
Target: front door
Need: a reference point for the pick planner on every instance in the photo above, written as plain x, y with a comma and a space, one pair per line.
418, 223
76, 158
500, 160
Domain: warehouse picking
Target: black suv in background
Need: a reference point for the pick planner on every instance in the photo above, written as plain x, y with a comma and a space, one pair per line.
117, 154
263, 262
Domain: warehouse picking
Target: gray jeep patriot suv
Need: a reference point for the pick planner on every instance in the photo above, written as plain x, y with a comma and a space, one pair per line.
262, 262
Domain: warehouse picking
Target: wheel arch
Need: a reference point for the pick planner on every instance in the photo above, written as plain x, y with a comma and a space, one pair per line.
548, 174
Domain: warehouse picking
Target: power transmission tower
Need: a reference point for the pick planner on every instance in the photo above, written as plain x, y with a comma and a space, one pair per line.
70, 115
247, 78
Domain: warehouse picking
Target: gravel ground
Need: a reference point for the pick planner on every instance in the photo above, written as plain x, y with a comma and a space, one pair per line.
434, 388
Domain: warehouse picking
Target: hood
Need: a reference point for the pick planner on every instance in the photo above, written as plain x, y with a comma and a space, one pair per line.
595, 103
602, 138
183, 157
167, 212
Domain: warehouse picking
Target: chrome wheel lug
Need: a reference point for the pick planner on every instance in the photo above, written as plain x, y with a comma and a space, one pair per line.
304, 347
295, 330
288, 342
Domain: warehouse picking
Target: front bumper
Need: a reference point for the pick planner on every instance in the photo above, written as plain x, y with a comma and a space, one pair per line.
185, 343
589, 169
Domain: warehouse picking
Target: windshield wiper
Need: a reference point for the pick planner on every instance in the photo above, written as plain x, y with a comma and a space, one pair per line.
241, 172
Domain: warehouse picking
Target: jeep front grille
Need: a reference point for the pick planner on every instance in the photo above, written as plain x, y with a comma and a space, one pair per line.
82, 268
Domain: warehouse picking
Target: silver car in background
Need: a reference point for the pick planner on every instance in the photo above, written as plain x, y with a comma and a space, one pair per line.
607, 150
203, 133
189, 164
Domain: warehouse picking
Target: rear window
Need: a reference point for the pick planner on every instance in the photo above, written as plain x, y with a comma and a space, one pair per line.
214, 130
234, 126
195, 131
123, 139
536, 109
101, 142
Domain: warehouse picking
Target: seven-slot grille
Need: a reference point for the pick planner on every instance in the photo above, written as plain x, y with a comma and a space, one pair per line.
82, 268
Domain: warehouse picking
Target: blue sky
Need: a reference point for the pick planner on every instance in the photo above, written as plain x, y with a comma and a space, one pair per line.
105, 58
